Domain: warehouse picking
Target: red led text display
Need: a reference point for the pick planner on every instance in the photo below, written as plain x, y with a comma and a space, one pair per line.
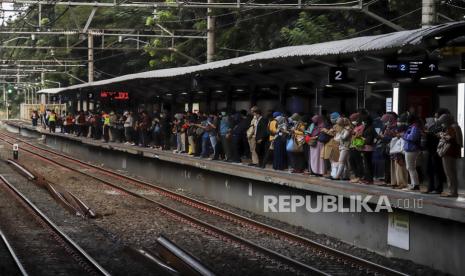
120, 96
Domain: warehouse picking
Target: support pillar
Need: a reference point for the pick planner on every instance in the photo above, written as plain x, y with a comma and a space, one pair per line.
253, 95
282, 95
461, 109
361, 93
229, 92
318, 107
396, 98
190, 103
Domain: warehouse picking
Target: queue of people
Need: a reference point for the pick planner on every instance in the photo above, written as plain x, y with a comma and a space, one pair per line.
358, 147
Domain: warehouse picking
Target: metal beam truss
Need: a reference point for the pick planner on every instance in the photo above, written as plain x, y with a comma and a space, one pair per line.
239, 4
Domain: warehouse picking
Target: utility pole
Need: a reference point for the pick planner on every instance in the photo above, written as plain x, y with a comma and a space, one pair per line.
428, 13
90, 39
210, 35
5, 98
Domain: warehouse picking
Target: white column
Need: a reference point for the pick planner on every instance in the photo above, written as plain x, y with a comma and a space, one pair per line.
395, 100
461, 109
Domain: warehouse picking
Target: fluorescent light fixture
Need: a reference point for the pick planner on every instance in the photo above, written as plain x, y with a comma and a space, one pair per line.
293, 88
438, 37
184, 93
395, 100
219, 91
461, 109
430, 77
239, 90
169, 94
329, 85
200, 92
371, 82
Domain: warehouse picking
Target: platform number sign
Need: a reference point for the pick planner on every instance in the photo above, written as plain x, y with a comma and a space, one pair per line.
90, 96
337, 74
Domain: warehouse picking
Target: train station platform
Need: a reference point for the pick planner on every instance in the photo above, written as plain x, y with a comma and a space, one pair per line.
433, 205
418, 223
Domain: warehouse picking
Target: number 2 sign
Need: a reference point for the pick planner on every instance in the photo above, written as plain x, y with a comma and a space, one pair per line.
337, 74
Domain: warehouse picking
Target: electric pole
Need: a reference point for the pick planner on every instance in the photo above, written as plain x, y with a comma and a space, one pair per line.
90, 69
210, 35
428, 13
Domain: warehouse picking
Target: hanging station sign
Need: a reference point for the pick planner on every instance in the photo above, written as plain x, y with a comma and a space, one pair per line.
119, 96
338, 74
411, 68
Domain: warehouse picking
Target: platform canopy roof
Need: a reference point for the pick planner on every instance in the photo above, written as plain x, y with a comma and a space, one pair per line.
385, 44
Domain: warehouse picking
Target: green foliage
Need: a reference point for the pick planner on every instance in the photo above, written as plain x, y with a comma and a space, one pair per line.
309, 30
150, 21
44, 21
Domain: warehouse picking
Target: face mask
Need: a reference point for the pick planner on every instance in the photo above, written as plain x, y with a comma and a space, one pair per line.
354, 123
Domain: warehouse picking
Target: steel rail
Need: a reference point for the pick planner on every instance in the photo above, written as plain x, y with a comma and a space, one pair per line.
13, 255
27, 173
340, 255
206, 227
183, 261
90, 261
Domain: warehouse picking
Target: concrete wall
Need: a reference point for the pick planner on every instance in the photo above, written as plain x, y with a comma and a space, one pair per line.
433, 241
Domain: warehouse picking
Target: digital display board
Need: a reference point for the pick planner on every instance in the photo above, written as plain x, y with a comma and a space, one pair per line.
119, 96
411, 68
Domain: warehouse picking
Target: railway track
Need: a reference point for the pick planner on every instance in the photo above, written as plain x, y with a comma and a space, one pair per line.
342, 261
40, 243
13, 266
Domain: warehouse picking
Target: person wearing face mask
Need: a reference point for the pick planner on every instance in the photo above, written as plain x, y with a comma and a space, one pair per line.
330, 153
368, 135
412, 138
225, 128
251, 136
452, 137
436, 175
355, 155
261, 137
343, 138
316, 163
165, 127
389, 131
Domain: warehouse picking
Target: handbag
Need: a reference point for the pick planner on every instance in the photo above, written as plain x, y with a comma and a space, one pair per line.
293, 146
443, 147
396, 146
324, 138
358, 142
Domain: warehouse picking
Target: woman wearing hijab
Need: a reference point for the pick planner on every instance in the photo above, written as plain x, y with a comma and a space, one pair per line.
449, 149
297, 132
389, 121
316, 163
279, 142
355, 155
330, 152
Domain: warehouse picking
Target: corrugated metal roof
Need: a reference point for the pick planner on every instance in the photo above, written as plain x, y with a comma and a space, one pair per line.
51, 90
393, 40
